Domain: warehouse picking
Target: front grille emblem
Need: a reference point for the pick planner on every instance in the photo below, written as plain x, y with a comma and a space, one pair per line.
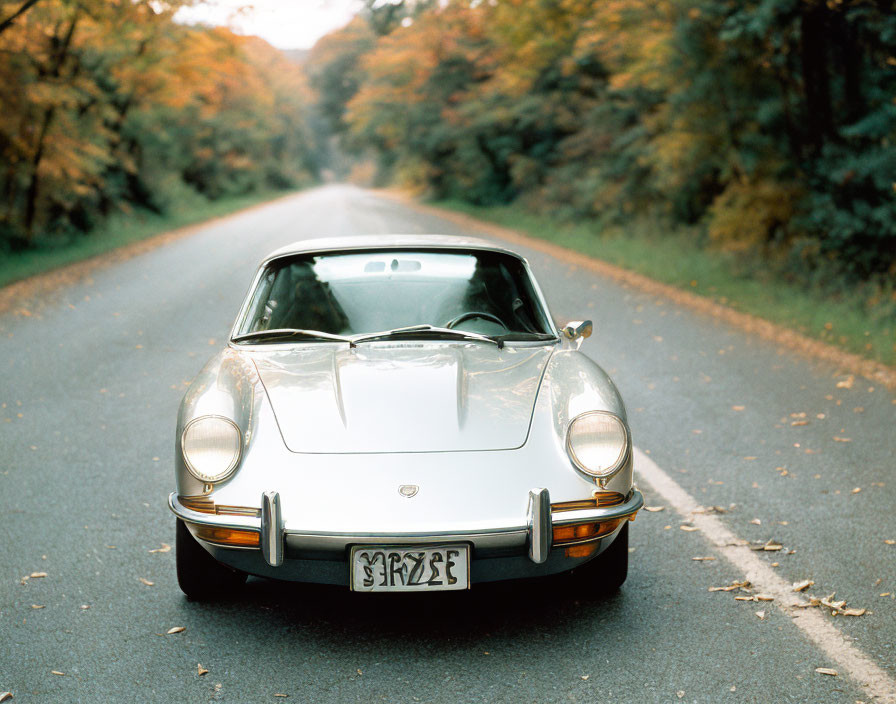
408, 491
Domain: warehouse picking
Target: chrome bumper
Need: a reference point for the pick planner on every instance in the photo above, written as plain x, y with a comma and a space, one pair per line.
537, 534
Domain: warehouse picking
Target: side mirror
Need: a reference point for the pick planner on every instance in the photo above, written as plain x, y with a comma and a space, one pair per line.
578, 330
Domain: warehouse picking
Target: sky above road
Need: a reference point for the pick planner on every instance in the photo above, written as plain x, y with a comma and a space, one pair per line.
287, 24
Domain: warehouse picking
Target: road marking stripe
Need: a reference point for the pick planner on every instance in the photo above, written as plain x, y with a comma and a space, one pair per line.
813, 622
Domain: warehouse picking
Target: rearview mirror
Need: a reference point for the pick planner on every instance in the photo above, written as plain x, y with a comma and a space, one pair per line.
577, 329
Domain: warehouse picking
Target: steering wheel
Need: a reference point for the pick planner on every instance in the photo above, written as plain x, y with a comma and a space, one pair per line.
475, 314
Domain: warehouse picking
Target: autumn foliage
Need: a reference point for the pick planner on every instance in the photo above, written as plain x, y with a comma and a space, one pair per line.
109, 105
767, 126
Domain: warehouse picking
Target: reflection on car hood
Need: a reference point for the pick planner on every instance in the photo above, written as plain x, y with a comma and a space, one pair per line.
402, 397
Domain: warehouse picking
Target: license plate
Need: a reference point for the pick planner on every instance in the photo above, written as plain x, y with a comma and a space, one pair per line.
378, 568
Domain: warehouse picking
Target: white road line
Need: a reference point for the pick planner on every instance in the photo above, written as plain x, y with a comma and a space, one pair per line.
814, 623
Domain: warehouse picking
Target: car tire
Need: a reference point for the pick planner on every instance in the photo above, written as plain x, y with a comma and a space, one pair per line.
199, 575
607, 572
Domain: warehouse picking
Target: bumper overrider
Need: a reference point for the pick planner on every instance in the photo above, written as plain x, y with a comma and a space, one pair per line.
553, 539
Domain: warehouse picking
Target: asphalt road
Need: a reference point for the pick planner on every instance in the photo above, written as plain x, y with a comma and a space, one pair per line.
92, 376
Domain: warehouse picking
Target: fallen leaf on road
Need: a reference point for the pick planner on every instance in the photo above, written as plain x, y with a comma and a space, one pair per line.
846, 383
146, 582
359, 671
826, 670
284, 696
57, 672
772, 547
654, 509
831, 604
857, 490
889, 542
711, 509
853, 612
165, 548
37, 575
800, 422
688, 528
761, 615
201, 670
702, 559
585, 677
737, 408
84, 607
679, 693
37, 606
743, 598
176, 629
838, 439
756, 522
764, 597
5, 695
802, 586
730, 587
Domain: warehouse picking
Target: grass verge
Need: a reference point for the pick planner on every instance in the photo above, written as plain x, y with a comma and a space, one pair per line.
846, 321
116, 232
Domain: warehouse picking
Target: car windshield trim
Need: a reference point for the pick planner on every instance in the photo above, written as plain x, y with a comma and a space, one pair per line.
428, 330
290, 332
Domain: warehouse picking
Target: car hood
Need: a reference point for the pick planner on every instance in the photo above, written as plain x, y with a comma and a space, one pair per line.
399, 397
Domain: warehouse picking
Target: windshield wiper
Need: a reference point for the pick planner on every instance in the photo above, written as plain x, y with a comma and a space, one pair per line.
524, 337
428, 331
291, 332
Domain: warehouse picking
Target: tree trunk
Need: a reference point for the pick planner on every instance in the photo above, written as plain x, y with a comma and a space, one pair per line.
33, 191
851, 60
7, 23
34, 183
816, 80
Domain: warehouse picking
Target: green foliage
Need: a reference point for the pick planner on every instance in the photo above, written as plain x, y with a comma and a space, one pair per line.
770, 125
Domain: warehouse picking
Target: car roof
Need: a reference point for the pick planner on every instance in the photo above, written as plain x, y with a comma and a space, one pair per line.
357, 242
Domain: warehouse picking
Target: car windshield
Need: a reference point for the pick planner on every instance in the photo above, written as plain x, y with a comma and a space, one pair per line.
363, 292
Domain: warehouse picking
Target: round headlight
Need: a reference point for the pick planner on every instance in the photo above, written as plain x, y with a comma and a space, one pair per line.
598, 443
211, 447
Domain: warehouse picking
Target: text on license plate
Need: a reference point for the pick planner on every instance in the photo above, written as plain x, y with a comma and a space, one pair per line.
377, 568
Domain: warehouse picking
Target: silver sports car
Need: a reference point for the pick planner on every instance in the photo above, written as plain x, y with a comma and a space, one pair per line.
400, 414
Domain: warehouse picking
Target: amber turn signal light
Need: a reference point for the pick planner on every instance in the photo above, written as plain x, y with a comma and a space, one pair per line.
203, 504
599, 500
228, 536
580, 550
584, 531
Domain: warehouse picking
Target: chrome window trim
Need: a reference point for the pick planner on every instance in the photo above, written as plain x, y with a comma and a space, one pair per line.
543, 309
